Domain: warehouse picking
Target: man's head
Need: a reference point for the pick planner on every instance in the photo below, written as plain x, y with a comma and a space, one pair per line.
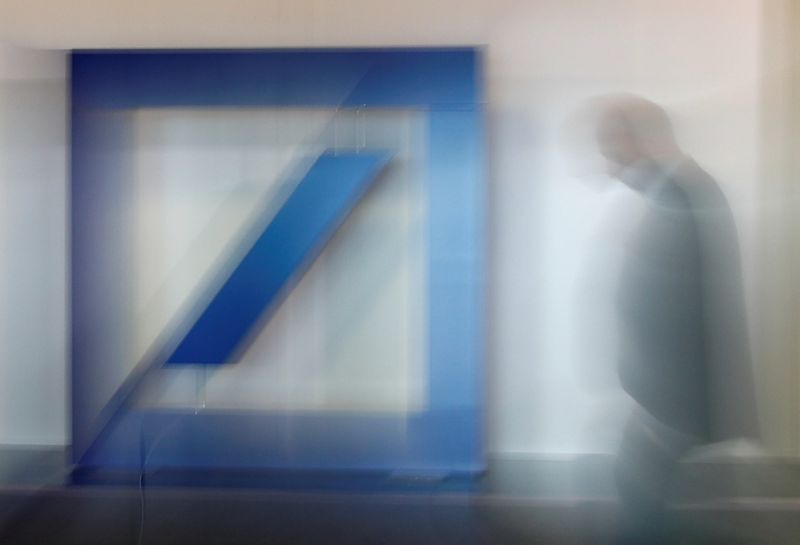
631, 130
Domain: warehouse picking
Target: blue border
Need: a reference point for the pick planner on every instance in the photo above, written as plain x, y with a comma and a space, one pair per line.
445, 83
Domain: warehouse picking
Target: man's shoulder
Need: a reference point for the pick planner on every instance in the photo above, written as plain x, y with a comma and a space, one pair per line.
699, 188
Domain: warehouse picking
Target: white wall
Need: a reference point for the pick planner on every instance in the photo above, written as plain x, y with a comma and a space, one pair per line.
552, 383
33, 326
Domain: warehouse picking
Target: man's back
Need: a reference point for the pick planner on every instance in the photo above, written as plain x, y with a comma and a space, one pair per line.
681, 310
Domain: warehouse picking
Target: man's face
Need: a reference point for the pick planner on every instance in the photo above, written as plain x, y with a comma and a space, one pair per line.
616, 143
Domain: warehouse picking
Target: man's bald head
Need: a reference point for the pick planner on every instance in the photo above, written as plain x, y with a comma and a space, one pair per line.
631, 129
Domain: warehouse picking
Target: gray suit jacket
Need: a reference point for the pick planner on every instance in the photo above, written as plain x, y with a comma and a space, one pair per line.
685, 356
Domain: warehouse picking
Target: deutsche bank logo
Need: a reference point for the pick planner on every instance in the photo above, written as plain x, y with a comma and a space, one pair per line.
444, 87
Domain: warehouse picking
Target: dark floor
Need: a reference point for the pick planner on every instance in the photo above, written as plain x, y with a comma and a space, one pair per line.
516, 501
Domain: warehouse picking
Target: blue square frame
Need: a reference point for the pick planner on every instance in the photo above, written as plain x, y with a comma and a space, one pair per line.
445, 84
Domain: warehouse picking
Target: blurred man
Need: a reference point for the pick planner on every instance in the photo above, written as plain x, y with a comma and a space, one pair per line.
684, 355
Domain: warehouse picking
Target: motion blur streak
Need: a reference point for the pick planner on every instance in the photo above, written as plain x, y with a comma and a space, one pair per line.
642, 377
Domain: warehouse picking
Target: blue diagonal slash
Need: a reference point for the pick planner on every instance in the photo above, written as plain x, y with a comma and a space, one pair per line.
296, 235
